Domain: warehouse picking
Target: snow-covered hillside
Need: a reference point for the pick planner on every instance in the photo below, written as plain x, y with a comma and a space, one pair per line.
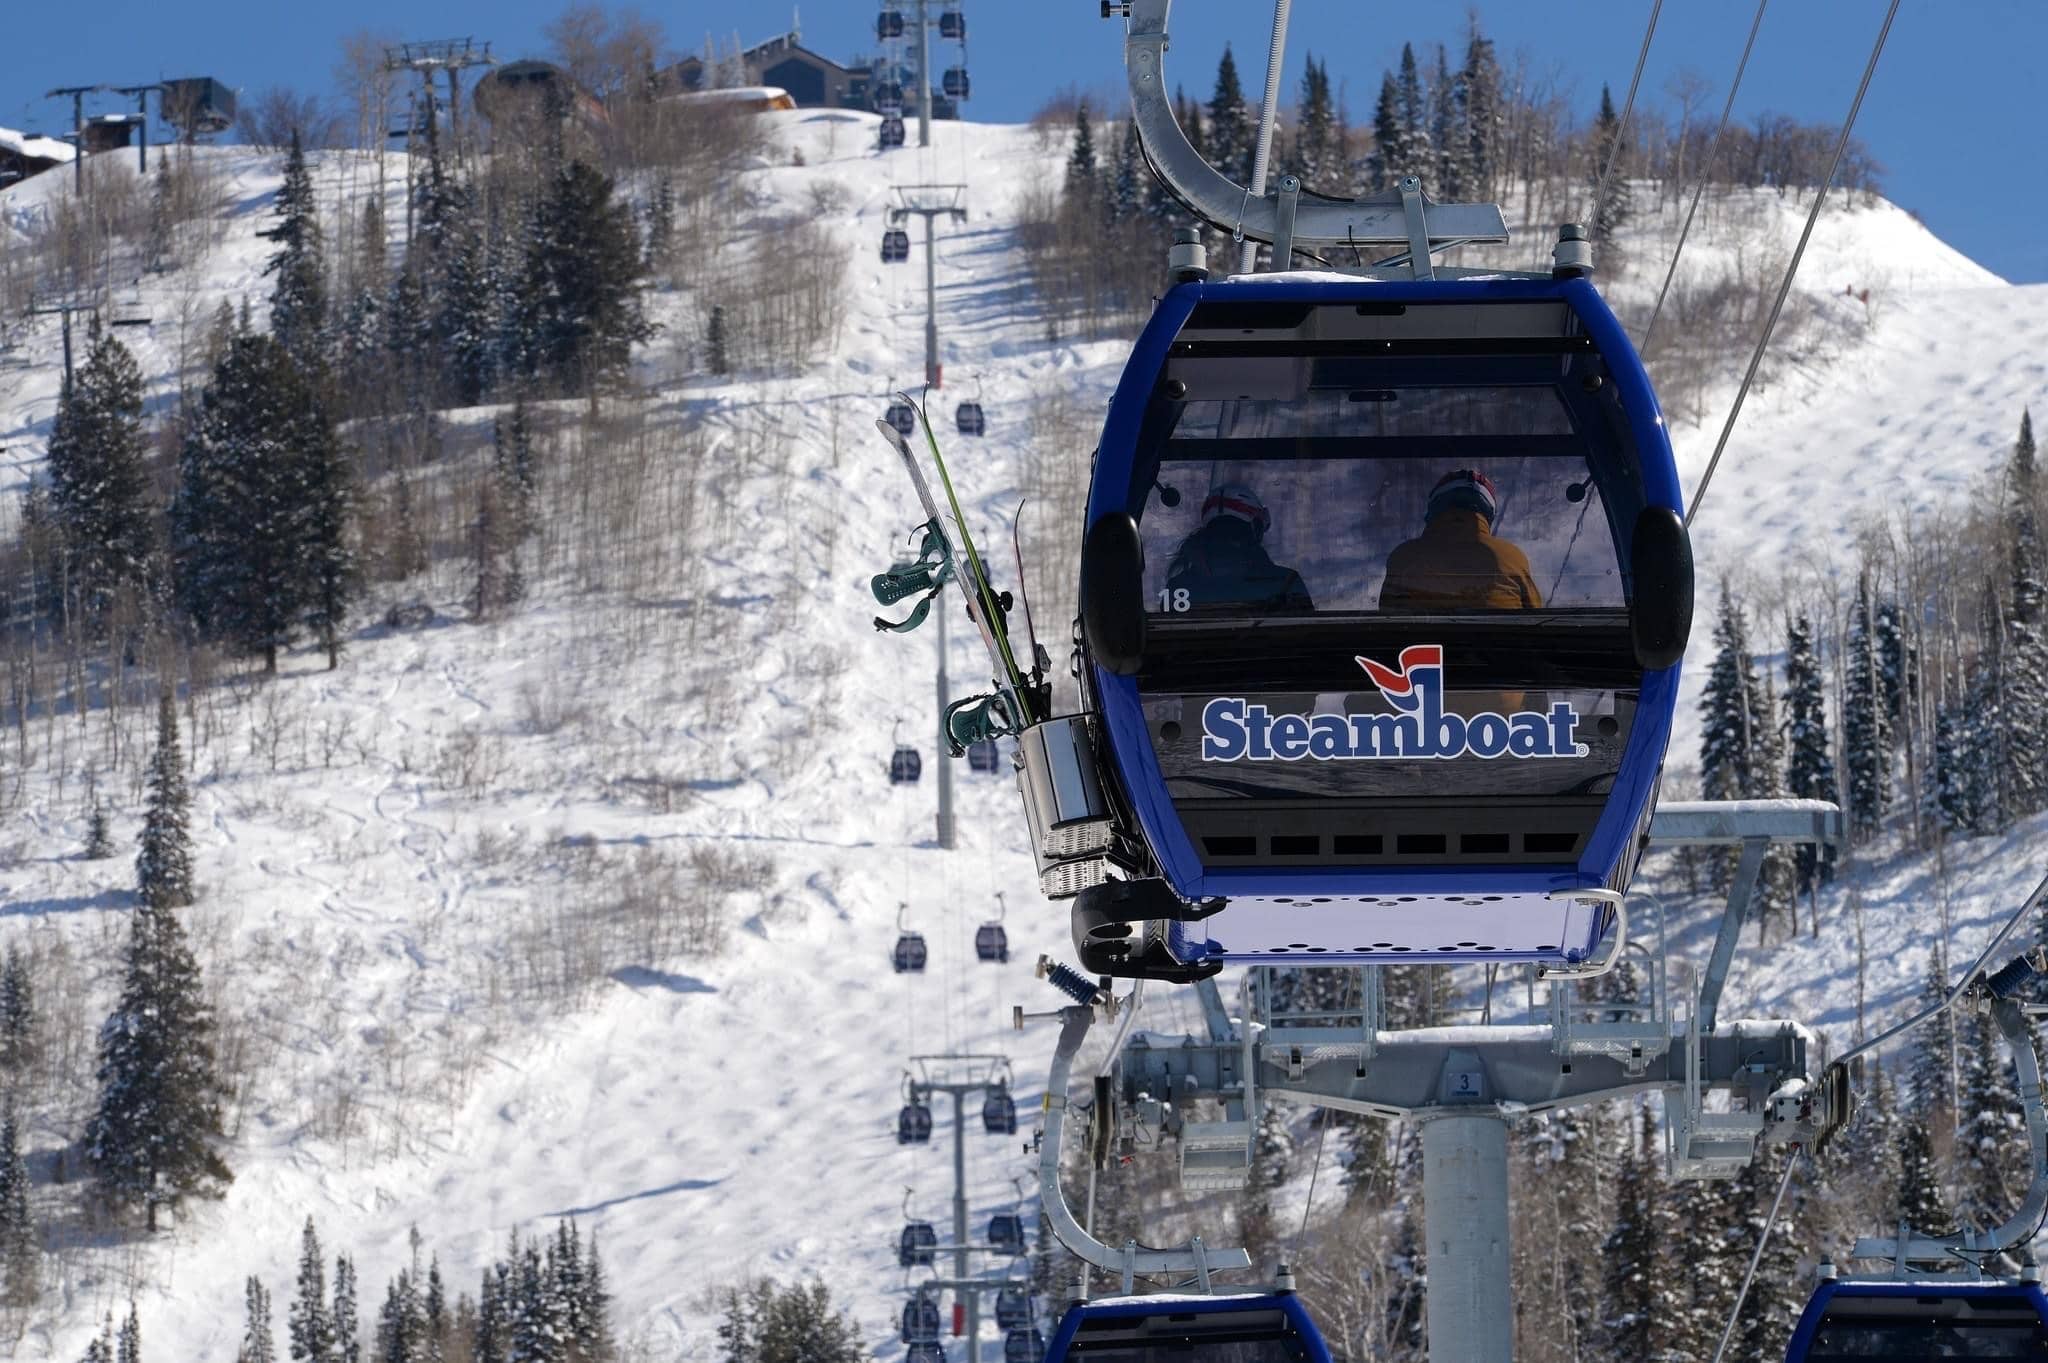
441, 884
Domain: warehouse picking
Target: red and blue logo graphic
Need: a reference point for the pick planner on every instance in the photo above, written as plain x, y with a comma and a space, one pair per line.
1235, 729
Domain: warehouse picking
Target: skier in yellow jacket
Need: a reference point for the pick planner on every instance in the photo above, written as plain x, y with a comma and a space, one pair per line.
1457, 563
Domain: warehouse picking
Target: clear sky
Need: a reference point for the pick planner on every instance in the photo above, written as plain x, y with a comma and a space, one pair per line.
1958, 114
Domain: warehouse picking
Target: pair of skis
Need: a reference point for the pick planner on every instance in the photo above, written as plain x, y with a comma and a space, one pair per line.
1022, 697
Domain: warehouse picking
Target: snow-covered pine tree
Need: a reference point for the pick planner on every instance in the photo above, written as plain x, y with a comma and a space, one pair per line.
153, 1135
717, 342
163, 866
20, 1255
1318, 159
1951, 785
1232, 132
1776, 1294
580, 305
1480, 108
128, 1343
492, 1342
1931, 1072
298, 300
1082, 168
434, 1315
101, 1347
466, 323
1809, 758
661, 224
1727, 722
1985, 734
1866, 740
346, 1313
2024, 693
800, 1324
1778, 877
1411, 113
309, 1328
1921, 1204
1615, 204
258, 1344
99, 483
593, 1341
1125, 200
1446, 138
99, 832
1991, 1144
262, 506
1702, 1254
17, 1017
398, 1326
1388, 159
1630, 1326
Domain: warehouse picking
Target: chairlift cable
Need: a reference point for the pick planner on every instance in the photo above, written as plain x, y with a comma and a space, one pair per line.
1785, 285
1627, 107
1706, 176
1322, 1139
1764, 1238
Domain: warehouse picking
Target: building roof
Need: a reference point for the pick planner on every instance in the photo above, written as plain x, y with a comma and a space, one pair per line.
31, 147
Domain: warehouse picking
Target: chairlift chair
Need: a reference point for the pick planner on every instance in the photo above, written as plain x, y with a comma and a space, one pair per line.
1023, 1346
983, 755
955, 82
991, 942
1931, 1318
1013, 1310
921, 1323
890, 135
910, 953
1317, 741
1272, 1327
895, 246
1006, 1233
953, 25
968, 418
999, 1112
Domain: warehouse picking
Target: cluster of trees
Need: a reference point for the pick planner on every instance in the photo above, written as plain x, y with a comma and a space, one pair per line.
1935, 674
544, 1302
763, 1321
1481, 129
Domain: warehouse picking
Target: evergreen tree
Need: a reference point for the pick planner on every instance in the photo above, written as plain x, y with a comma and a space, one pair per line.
128, 1343
517, 473
1411, 112
434, 1315
1125, 200
1709, 1262
717, 344
1727, 718
1231, 130
1931, 1076
1480, 105
1810, 763
1614, 206
17, 1017
152, 1137
1865, 738
466, 324
1778, 876
1318, 157
1446, 139
163, 868
298, 301
1991, 1147
1081, 168
20, 1258
1986, 736
661, 224
310, 1326
99, 483
797, 1324
101, 1349
346, 1313
1389, 158
1629, 1257
2024, 693
1776, 1294
258, 1344
580, 311
1952, 783
398, 1326
99, 833
1921, 1204
262, 507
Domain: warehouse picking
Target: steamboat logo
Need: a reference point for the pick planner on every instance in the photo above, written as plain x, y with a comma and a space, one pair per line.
1235, 729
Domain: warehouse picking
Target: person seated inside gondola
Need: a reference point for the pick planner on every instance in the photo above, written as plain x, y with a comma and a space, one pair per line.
1457, 562
1224, 562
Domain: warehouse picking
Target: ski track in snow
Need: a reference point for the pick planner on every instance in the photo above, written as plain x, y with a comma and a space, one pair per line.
705, 1117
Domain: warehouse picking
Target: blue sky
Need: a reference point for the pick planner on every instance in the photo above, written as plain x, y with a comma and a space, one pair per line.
1957, 114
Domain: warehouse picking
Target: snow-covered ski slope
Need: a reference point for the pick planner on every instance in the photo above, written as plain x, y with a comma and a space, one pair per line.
378, 845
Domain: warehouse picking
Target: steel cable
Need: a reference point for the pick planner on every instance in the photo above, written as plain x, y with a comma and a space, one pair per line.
1756, 1256
1706, 175
1627, 106
1785, 286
